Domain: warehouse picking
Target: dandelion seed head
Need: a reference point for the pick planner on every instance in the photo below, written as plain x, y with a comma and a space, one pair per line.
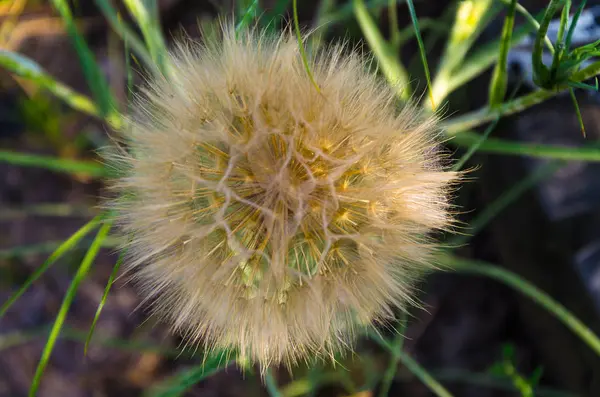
271, 218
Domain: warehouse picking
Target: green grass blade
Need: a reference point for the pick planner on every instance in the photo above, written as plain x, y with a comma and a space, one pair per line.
508, 197
147, 19
422, 52
126, 33
93, 75
180, 383
484, 115
271, 384
47, 209
475, 146
531, 291
499, 80
24, 67
247, 17
428, 380
506, 147
17, 338
392, 69
301, 46
573, 25
272, 19
63, 248
48, 247
414, 367
109, 283
53, 163
66, 304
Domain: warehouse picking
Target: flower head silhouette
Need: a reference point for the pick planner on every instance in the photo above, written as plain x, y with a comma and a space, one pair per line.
271, 217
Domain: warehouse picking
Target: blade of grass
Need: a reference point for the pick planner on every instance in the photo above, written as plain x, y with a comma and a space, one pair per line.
301, 45
109, 283
52, 163
392, 69
149, 25
66, 246
50, 246
271, 384
24, 67
66, 304
506, 147
474, 147
46, 209
415, 23
126, 33
526, 288
432, 384
483, 115
272, 19
396, 345
178, 384
499, 79
93, 75
248, 16
506, 198
17, 338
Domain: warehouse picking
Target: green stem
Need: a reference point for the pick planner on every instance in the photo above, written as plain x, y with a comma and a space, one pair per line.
486, 114
529, 290
424, 376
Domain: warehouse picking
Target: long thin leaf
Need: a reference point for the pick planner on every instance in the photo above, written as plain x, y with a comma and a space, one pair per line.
184, 380
66, 304
25, 67
531, 291
93, 75
499, 80
514, 148
109, 283
66, 246
126, 33
422, 52
392, 69
53, 163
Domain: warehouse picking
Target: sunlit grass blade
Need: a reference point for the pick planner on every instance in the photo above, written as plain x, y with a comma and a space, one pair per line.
66, 246
514, 148
499, 79
53, 163
508, 197
247, 17
126, 33
472, 119
24, 67
531, 291
390, 65
422, 52
178, 384
147, 19
109, 283
541, 73
66, 304
91, 70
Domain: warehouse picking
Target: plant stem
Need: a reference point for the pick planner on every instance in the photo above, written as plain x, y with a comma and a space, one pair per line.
526, 288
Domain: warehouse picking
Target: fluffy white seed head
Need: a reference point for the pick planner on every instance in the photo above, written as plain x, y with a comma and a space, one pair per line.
266, 216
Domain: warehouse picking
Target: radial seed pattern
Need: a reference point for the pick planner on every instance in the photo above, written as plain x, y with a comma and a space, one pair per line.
267, 216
